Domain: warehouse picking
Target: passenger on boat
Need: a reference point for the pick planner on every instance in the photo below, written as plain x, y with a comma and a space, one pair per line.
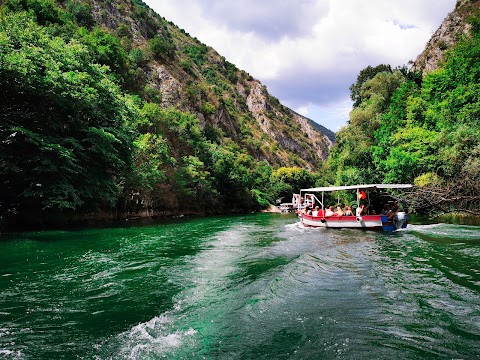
315, 212
387, 210
368, 210
391, 210
309, 211
395, 206
339, 210
359, 211
329, 212
395, 209
362, 195
348, 211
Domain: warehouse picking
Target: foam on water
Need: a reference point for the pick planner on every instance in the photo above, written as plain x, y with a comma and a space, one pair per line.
441, 230
153, 338
9, 354
209, 305
205, 278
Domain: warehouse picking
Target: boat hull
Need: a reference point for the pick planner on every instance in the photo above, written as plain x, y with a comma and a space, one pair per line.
374, 222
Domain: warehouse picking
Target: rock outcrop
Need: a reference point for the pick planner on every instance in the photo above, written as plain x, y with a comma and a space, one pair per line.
454, 26
195, 78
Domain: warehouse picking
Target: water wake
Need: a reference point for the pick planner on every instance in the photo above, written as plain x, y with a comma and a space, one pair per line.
250, 287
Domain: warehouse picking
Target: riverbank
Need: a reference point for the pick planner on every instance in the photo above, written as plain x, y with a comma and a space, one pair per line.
459, 218
70, 220
105, 219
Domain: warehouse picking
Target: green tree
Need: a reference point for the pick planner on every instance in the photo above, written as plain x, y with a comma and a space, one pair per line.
413, 153
62, 118
161, 48
287, 181
366, 74
82, 12
353, 156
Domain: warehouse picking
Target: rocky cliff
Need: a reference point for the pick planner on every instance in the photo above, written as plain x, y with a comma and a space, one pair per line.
454, 26
191, 76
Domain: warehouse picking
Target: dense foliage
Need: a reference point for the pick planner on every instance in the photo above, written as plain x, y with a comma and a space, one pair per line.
84, 131
428, 133
80, 134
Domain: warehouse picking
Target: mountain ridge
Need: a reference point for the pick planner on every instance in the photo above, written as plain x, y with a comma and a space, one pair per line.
192, 62
110, 111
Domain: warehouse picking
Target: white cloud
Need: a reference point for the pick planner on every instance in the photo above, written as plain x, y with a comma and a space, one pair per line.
308, 52
303, 110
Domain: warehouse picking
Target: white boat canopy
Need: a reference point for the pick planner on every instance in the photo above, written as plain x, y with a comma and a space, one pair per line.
354, 187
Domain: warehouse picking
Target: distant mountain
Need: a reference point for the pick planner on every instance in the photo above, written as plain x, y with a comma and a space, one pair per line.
320, 128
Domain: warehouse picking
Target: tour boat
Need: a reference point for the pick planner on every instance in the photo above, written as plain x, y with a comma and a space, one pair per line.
291, 206
370, 221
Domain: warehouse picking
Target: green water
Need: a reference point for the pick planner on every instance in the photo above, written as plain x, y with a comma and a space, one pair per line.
245, 287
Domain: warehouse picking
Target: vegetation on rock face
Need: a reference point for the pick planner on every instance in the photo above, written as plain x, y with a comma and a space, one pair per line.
427, 133
120, 112
87, 126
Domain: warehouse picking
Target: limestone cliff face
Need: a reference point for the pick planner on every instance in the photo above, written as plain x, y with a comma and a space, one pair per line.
195, 78
454, 26
257, 104
269, 114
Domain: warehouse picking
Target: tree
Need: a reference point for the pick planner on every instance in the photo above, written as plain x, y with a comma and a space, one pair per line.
62, 116
365, 74
353, 156
287, 181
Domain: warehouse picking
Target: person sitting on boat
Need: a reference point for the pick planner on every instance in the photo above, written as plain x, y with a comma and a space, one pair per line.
329, 212
339, 210
361, 195
348, 211
309, 211
315, 212
395, 206
368, 210
387, 210
398, 216
395, 209
359, 211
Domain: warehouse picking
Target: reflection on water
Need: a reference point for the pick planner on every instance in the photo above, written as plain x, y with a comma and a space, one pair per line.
247, 287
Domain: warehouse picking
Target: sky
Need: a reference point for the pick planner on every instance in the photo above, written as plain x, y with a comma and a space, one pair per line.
309, 52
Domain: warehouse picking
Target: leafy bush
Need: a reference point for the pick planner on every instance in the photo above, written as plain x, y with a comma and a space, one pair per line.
123, 30
196, 53
45, 11
136, 56
81, 11
208, 108
159, 47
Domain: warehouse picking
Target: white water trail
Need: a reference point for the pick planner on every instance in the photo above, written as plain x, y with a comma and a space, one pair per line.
204, 277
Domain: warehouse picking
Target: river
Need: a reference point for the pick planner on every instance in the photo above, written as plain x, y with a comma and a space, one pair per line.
258, 286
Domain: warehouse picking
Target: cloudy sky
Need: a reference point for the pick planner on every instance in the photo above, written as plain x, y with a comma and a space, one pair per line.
308, 52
